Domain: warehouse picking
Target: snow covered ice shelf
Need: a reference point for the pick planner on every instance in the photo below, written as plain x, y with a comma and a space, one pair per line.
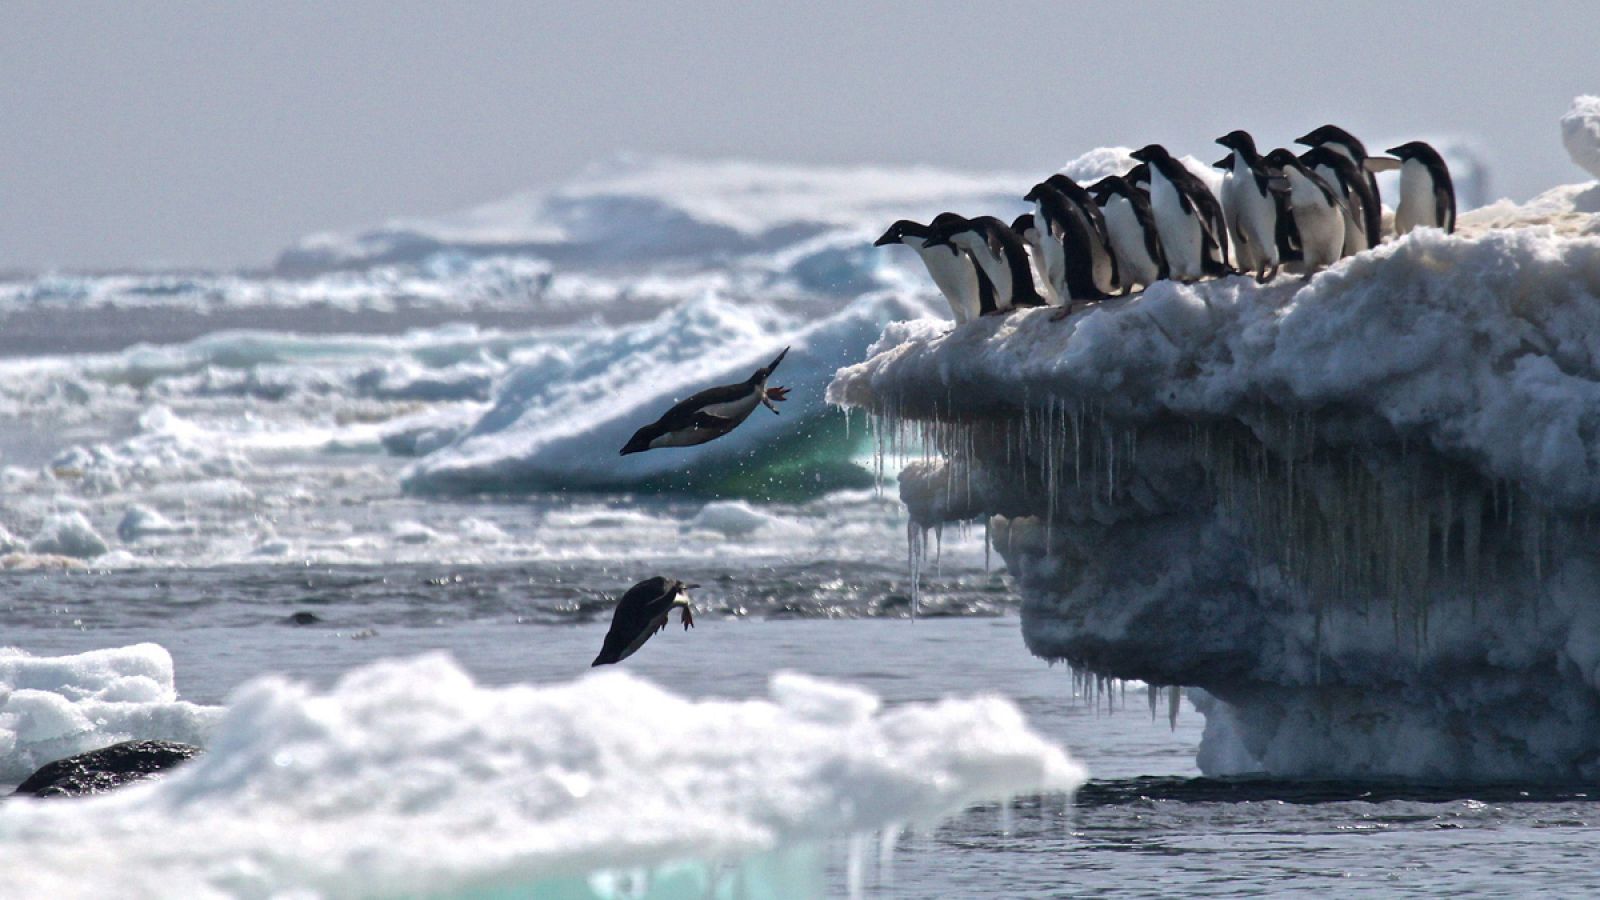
408, 779
1358, 512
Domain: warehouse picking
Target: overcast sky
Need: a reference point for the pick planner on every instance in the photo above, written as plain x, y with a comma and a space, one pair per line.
215, 133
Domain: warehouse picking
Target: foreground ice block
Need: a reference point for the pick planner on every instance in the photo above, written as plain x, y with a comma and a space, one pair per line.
1361, 511
407, 779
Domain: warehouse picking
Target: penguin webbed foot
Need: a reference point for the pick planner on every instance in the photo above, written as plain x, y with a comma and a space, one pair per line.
774, 395
686, 617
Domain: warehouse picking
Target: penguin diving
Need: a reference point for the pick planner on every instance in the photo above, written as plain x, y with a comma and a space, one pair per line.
711, 413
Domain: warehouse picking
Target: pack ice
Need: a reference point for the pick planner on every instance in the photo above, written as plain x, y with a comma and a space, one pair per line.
1355, 515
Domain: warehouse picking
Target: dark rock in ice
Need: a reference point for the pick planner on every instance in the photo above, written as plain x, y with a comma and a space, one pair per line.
302, 618
98, 771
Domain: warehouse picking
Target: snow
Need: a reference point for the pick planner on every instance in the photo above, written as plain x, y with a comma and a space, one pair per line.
1364, 501
408, 778
559, 420
1580, 131
54, 707
68, 534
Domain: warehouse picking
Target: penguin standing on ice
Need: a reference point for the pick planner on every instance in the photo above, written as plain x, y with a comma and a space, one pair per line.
1346, 144
1002, 256
1027, 228
1350, 181
711, 413
642, 612
1188, 216
1067, 239
1106, 276
953, 271
1318, 210
1250, 197
1131, 228
1427, 195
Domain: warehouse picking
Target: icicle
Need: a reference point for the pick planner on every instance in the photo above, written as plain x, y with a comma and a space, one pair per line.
887, 838
986, 545
1005, 817
1174, 698
855, 865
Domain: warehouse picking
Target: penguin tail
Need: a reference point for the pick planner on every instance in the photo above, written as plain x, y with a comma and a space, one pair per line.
603, 659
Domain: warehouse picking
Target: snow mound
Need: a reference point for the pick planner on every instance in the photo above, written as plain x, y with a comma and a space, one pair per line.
1367, 499
1580, 131
68, 534
54, 707
407, 778
558, 421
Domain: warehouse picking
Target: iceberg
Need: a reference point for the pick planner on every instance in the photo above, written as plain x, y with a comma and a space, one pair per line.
1354, 514
408, 779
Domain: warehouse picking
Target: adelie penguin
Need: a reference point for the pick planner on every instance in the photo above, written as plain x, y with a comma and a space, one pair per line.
1188, 216
1131, 226
1346, 144
953, 271
1318, 210
711, 413
1350, 181
1427, 195
1002, 256
642, 612
1106, 277
1066, 241
1027, 227
1252, 199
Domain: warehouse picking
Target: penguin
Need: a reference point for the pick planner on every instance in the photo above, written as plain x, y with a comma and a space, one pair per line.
1027, 228
1000, 254
642, 612
1427, 195
1250, 197
953, 271
711, 413
1066, 235
1138, 178
1340, 141
1106, 277
1188, 217
1350, 181
1131, 226
1318, 211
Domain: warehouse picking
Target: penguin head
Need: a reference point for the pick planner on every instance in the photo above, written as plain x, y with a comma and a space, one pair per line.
1138, 176
640, 441
1238, 140
1023, 224
1283, 158
943, 226
1414, 150
1333, 134
1062, 183
1150, 153
899, 231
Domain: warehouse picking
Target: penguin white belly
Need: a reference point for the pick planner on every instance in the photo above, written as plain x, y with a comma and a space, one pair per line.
737, 410
1127, 241
1181, 234
1052, 257
1244, 255
1256, 219
1417, 208
993, 266
1036, 256
1321, 226
1355, 234
954, 276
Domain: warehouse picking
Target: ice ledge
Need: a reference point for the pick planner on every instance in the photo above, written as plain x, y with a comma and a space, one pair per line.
1356, 510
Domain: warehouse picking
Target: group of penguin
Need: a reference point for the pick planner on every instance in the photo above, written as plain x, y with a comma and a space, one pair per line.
1160, 221
705, 416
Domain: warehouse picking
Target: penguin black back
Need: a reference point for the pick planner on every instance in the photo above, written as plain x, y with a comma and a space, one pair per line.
1333, 134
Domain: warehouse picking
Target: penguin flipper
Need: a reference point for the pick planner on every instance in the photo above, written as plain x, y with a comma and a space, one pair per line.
1377, 164
711, 420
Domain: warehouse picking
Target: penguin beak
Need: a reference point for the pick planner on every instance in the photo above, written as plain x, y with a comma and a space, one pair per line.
1306, 140
691, 587
889, 237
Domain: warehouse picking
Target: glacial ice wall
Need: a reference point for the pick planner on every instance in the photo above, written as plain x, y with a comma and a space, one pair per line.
1358, 510
406, 778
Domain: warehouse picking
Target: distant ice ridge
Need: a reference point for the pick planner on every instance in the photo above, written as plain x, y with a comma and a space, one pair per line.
408, 779
559, 420
1359, 511
54, 707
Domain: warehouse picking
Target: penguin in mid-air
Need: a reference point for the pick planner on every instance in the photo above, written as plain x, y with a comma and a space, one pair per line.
1318, 210
1027, 227
1251, 197
1131, 227
711, 413
1000, 253
642, 612
1188, 216
1427, 195
953, 271
1340, 141
1067, 239
1350, 181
